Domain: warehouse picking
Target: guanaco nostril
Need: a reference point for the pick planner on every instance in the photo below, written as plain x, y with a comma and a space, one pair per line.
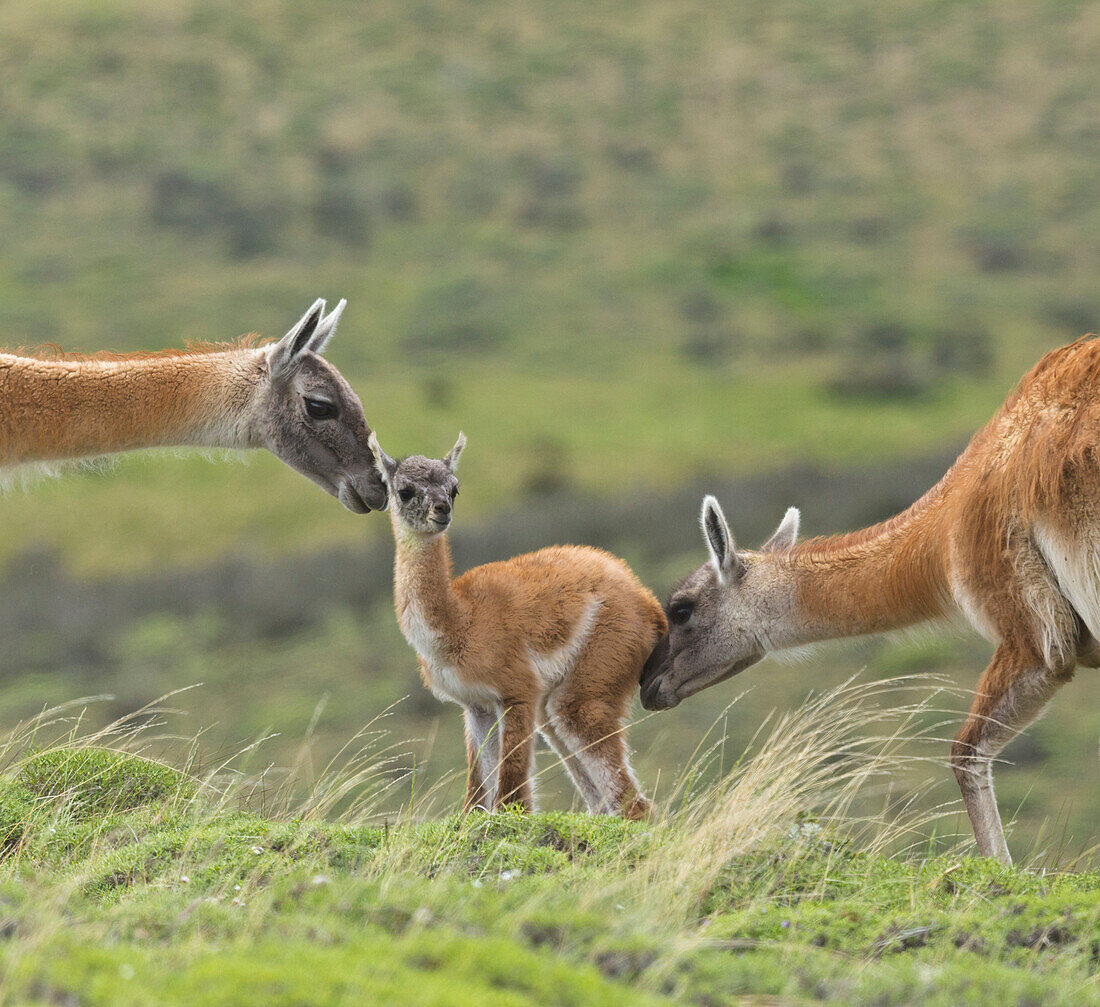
443, 509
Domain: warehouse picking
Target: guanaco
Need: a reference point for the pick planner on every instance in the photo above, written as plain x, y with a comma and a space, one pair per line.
282, 396
1010, 538
551, 641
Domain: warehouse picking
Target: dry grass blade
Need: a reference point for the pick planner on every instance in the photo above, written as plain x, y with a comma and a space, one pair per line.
818, 761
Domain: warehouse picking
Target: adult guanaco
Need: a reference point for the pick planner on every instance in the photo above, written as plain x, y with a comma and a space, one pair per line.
551, 641
282, 396
1010, 537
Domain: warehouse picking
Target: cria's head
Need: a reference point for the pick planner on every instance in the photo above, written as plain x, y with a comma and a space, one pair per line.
422, 490
309, 416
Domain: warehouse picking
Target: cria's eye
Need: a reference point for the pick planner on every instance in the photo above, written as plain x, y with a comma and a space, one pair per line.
681, 612
406, 494
319, 409
454, 492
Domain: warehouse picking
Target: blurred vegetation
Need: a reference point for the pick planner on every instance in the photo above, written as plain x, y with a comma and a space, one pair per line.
633, 246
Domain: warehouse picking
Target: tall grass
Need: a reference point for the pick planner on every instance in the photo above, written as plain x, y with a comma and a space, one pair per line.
133, 827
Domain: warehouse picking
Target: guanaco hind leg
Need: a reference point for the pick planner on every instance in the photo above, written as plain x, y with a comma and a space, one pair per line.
1011, 693
588, 790
591, 730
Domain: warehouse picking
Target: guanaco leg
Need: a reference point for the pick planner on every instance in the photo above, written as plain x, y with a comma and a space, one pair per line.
591, 730
516, 752
1011, 693
482, 756
574, 767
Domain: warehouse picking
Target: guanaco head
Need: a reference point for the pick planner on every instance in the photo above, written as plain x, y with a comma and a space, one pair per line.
717, 617
422, 490
307, 414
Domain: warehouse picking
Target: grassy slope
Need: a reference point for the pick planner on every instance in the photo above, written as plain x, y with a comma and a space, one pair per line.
171, 902
621, 246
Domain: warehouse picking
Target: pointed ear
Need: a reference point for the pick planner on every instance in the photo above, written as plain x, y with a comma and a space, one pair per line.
719, 539
786, 534
325, 328
451, 461
385, 466
283, 356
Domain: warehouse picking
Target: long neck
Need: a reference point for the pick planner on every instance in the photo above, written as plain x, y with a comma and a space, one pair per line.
885, 577
424, 594
59, 409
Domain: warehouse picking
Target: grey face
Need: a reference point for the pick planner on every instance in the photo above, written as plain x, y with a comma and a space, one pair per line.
308, 416
708, 641
717, 617
422, 490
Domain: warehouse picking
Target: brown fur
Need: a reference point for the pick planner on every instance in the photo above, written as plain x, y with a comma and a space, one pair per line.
1010, 535
71, 408
488, 640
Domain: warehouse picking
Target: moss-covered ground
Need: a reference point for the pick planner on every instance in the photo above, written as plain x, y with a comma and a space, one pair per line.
125, 881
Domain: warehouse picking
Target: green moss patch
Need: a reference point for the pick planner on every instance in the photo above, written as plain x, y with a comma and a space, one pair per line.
98, 781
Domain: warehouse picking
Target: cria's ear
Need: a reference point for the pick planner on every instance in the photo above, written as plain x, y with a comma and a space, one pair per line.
385, 466
451, 461
719, 539
325, 328
786, 534
283, 356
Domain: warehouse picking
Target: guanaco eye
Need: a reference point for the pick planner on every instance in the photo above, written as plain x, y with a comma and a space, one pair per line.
681, 612
406, 494
319, 409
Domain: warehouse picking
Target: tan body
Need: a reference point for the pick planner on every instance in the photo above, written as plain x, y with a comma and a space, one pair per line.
58, 409
282, 396
1009, 538
551, 641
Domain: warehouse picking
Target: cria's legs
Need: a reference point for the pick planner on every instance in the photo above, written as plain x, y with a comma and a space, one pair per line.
591, 730
482, 756
516, 751
581, 780
1011, 694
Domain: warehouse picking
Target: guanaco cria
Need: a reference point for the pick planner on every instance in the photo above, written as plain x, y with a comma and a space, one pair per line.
1010, 537
551, 641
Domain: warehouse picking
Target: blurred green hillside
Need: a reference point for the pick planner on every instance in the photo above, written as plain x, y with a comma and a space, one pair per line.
618, 245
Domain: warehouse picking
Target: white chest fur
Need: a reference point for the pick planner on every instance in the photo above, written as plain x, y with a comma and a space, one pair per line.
445, 680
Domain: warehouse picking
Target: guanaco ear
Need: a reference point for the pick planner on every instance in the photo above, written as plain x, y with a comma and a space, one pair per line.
385, 466
786, 534
283, 356
326, 327
719, 539
451, 461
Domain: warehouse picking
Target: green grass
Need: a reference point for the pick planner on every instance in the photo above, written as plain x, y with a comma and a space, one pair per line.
148, 901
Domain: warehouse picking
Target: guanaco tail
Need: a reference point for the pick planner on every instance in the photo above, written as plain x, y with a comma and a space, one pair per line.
551, 641
1009, 538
